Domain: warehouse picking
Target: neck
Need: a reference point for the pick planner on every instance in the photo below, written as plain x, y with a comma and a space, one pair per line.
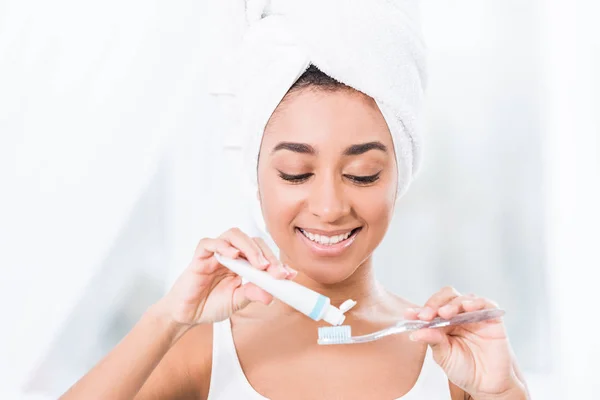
361, 287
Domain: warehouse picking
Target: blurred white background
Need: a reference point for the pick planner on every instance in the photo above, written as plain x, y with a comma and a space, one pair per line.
114, 162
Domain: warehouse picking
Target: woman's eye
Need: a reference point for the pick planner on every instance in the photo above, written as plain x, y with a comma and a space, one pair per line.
294, 178
364, 180
360, 180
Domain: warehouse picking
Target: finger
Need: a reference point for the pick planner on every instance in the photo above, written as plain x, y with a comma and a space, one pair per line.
474, 304
479, 303
239, 299
266, 251
203, 261
276, 268
412, 313
208, 246
455, 306
442, 297
482, 303
254, 293
248, 292
436, 338
292, 272
436, 301
247, 246
439, 342
278, 271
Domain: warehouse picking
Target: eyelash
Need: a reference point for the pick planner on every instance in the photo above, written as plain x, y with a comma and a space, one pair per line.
364, 180
360, 180
294, 178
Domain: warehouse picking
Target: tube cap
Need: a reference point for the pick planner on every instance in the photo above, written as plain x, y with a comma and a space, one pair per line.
334, 316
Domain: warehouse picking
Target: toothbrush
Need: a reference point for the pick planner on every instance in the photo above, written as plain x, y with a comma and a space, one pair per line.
343, 334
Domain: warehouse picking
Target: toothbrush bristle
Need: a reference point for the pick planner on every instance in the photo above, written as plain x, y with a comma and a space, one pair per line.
335, 334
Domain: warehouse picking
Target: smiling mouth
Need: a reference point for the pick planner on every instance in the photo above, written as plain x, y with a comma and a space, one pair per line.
329, 240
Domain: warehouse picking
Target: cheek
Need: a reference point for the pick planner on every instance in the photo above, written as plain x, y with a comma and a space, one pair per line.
376, 207
279, 203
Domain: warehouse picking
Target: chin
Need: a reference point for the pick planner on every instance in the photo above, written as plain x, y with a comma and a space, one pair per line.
328, 269
328, 274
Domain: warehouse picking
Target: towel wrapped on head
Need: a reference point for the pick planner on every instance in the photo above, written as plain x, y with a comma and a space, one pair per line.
373, 46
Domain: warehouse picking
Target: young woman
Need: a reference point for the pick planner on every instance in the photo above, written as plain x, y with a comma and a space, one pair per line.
327, 178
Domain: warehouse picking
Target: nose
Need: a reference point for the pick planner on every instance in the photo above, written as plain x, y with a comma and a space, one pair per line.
327, 199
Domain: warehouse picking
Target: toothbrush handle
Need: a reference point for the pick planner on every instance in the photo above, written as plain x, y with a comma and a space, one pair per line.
466, 318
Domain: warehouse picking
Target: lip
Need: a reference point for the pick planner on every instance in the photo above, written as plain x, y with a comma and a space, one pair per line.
329, 250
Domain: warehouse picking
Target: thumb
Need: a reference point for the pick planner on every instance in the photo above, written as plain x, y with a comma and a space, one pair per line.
248, 292
437, 340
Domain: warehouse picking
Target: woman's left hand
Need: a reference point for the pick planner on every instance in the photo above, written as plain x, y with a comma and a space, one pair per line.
476, 357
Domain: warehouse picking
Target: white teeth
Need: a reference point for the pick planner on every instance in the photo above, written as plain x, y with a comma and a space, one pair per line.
326, 240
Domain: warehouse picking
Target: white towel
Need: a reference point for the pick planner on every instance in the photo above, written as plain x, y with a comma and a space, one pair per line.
374, 46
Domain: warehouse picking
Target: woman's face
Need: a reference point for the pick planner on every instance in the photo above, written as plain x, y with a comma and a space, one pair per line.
327, 181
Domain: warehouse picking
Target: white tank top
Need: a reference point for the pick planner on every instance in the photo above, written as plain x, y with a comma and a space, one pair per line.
228, 382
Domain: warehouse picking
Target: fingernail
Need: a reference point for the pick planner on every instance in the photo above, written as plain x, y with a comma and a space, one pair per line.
412, 310
263, 261
284, 270
291, 270
426, 312
467, 302
447, 307
412, 337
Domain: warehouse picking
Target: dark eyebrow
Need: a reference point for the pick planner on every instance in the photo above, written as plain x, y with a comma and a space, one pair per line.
353, 150
295, 147
357, 149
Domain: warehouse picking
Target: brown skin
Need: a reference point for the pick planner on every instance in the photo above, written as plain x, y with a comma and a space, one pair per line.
175, 335
329, 199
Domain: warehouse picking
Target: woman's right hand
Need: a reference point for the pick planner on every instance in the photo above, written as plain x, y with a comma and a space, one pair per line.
207, 292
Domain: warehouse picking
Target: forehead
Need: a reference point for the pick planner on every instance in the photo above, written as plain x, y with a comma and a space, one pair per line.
327, 119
